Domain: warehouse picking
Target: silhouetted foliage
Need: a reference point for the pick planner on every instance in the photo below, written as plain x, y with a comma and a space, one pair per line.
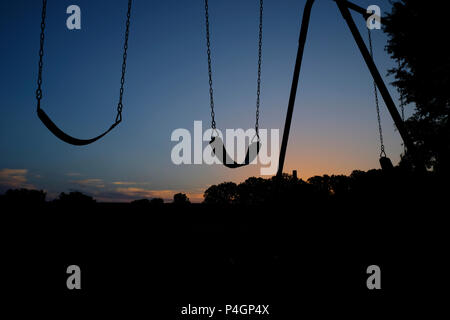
181, 199
222, 194
359, 187
141, 203
417, 32
157, 202
339, 185
258, 191
373, 187
24, 197
254, 191
75, 198
321, 184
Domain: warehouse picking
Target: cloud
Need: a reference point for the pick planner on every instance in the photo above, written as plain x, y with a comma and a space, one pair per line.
164, 194
73, 174
14, 178
195, 196
127, 194
117, 191
111, 196
90, 183
126, 191
125, 183
145, 193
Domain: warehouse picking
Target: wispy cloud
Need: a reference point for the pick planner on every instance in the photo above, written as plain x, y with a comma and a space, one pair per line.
167, 195
127, 194
145, 193
116, 191
14, 178
90, 183
125, 183
73, 174
125, 191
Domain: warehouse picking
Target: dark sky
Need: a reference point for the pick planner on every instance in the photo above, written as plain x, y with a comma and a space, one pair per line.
334, 126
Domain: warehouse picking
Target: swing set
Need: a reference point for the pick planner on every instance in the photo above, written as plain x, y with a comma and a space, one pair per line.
344, 7
216, 142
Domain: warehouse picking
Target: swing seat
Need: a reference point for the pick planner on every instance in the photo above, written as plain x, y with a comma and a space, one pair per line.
217, 142
53, 128
386, 164
49, 124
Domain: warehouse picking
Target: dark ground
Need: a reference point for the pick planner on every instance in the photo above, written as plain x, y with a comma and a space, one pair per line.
300, 258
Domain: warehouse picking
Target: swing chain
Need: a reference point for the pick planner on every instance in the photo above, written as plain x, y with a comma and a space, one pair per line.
124, 64
402, 101
41, 53
402, 104
377, 104
208, 51
258, 90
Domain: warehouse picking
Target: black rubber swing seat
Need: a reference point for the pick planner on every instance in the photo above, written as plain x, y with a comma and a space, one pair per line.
226, 159
64, 136
386, 163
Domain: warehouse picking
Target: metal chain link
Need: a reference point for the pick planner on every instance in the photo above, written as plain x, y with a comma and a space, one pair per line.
402, 105
208, 51
402, 101
124, 64
41, 54
377, 104
258, 90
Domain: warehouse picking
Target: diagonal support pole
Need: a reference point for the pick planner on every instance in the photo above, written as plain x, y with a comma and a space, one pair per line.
375, 74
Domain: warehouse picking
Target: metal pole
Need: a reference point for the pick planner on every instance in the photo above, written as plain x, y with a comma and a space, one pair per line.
356, 8
375, 74
298, 63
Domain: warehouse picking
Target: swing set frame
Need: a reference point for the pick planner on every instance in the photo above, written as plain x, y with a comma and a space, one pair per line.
344, 7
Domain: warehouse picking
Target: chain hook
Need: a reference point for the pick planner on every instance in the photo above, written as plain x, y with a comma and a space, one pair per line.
382, 152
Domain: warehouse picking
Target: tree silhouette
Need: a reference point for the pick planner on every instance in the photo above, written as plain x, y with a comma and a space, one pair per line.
157, 202
321, 184
416, 39
254, 191
24, 197
141, 203
180, 199
339, 185
222, 194
75, 198
258, 191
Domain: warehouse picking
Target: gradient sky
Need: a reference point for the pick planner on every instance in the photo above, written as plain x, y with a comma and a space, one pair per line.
334, 128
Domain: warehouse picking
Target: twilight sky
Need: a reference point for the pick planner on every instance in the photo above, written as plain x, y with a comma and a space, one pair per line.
334, 127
